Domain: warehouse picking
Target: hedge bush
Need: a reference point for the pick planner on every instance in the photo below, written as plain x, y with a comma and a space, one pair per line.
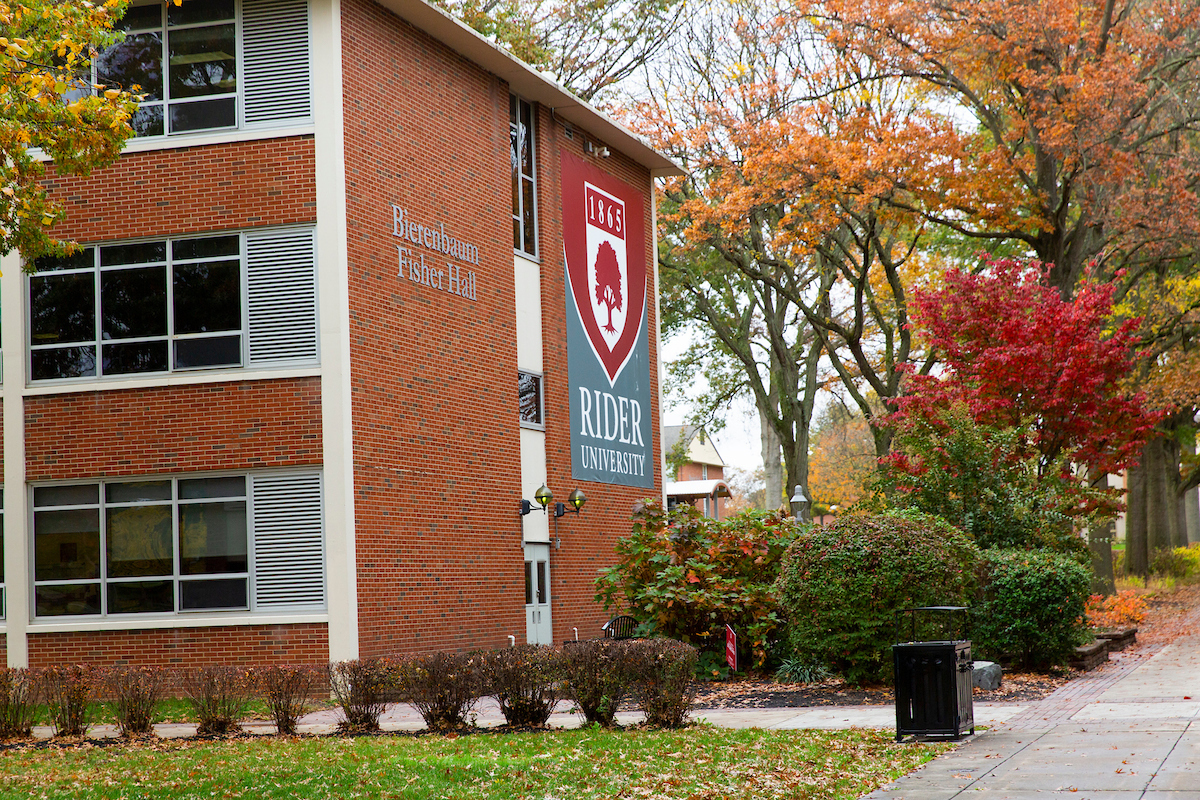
219, 696
361, 688
287, 691
18, 702
135, 692
597, 676
686, 577
662, 671
69, 690
842, 584
1033, 607
524, 680
443, 686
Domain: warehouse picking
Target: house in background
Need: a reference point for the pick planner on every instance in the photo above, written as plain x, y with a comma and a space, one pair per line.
698, 470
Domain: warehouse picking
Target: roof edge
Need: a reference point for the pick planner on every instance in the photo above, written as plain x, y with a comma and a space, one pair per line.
530, 83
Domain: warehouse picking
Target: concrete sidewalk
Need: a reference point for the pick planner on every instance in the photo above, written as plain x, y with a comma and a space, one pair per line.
1126, 731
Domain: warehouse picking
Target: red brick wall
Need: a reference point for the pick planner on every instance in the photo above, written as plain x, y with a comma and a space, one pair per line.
254, 645
588, 539
437, 451
190, 190
436, 446
242, 425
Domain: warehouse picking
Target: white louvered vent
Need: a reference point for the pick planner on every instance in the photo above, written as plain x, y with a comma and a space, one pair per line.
281, 277
289, 541
276, 72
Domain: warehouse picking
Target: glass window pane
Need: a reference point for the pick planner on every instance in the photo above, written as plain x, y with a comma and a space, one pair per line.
212, 538
84, 259
66, 544
199, 116
62, 308
134, 64
139, 18
137, 491
133, 303
63, 362
200, 488
527, 138
209, 247
203, 61
541, 582
141, 597
208, 11
148, 121
229, 593
208, 297
528, 583
527, 213
139, 541
140, 253
56, 601
127, 359
212, 351
529, 393
78, 495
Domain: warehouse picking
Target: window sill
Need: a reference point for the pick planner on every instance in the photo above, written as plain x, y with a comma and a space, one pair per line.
532, 426
74, 385
203, 139
189, 620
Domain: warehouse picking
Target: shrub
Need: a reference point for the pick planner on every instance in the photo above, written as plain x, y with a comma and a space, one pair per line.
443, 686
662, 671
218, 696
842, 584
1033, 607
1180, 563
686, 577
794, 670
18, 702
287, 691
597, 676
1114, 612
361, 688
524, 680
69, 692
135, 692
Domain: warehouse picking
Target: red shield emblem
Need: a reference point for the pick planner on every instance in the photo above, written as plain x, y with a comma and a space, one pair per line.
605, 251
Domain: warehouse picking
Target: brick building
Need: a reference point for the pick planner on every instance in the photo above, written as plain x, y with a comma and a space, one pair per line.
696, 471
361, 285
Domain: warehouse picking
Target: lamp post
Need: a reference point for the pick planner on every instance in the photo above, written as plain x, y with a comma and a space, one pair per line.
799, 504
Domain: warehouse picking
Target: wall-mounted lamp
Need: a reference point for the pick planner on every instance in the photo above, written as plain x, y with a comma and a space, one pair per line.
593, 149
574, 504
543, 496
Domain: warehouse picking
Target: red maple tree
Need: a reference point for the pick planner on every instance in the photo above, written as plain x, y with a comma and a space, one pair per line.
1017, 356
608, 281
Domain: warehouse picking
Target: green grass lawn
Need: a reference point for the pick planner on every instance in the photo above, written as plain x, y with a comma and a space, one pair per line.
699, 762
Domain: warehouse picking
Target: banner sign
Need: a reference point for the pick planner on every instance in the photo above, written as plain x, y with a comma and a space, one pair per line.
731, 648
608, 341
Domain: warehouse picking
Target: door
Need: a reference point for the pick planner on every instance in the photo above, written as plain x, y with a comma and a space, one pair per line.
537, 593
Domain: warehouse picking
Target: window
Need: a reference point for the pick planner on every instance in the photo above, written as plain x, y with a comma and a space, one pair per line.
185, 60
529, 394
172, 305
524, 175
174, 545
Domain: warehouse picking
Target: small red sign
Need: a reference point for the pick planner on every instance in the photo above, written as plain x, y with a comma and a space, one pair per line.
731, 648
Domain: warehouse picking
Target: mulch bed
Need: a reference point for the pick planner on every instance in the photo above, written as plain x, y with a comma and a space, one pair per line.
757, 693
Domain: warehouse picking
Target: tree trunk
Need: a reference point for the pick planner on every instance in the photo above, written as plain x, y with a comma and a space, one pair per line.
1191, 498
772, 456
1137, 560
1100, 544
1155, 519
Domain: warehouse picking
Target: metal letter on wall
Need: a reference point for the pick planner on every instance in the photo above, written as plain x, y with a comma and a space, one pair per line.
608, 349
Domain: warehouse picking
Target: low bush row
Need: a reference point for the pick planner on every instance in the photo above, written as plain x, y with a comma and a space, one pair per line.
842, 587
527, 682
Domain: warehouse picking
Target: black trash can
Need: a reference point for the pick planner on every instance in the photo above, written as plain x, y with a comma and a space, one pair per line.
933, 679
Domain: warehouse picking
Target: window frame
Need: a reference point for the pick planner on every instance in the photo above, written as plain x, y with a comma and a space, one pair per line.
527, 246
540, 424
165, 102
177, 577
170, 337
